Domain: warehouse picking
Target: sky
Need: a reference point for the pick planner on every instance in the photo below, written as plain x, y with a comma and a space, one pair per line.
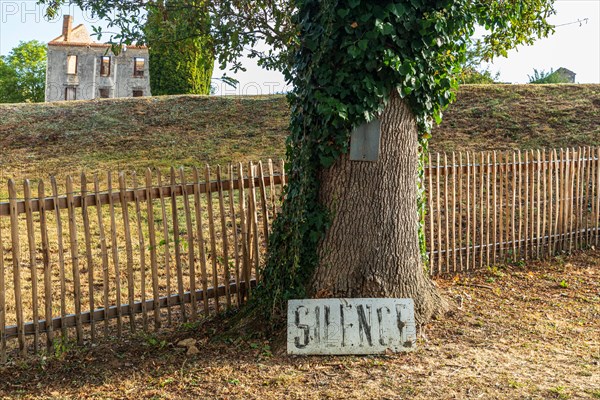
574, 45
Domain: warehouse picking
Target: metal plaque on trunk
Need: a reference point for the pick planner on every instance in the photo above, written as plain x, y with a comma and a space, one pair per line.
350, 326
364, 142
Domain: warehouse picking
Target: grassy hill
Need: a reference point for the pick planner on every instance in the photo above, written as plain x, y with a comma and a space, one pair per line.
37, 140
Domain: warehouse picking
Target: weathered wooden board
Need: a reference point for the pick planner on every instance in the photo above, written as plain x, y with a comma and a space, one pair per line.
350, 326
364, 142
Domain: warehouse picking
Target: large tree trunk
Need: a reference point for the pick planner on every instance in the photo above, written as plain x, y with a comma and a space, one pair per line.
372, 247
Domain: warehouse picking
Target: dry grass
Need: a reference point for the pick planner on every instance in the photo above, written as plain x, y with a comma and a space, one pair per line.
511, 333
37, 140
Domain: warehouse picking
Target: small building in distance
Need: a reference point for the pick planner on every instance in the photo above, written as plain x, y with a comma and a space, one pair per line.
564, 75
81, 69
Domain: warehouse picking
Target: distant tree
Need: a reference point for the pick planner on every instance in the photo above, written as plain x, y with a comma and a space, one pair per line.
181, 54
472, 71
542, 76
23, 73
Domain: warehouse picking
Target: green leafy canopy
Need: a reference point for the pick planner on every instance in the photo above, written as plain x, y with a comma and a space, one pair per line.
23, 73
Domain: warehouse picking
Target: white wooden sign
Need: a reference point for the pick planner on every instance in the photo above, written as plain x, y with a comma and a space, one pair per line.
350, 326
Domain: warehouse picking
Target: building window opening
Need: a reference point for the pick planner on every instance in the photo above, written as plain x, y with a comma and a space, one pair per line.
72, 65
138, 66
105, 66
138, 93
104, 93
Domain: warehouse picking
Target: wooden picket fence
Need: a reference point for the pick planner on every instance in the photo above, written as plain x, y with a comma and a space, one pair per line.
122, 252
143, 252
491, 208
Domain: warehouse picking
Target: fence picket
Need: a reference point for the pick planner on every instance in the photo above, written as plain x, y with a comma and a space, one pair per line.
104, 251
439, 213
32, 262
224, 236
153, 248
460, 212
166, 242
468, 222
16, 254
235, 228
177, 244
213, 243
454, 227
201, 244
246, 267
61, 256
88, 253
142, 250
190, 238
115, 254
47, 268
2, 301
74, 260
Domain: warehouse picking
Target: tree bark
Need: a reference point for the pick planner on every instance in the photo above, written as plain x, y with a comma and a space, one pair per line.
372, 246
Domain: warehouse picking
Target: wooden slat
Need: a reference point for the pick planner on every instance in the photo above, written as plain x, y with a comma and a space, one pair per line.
201, 243
495, 206
271, 188
503, 181
560, 191
88, 253
263, 202
234, 227
142, 249
586, 201
155, 193
224, 237
61, 254
32, 260
191, 245
468, 221
74, 260
16, 255
439, 215
460, 226
167, 251
177, 243
574, 232
594, 216
213, 242
153, 252
597, 217
47, 268
246, 268
488, 197
527, 206
532, 205
253, 218
115, 253
104, 254
454, 227
539, 204
2, 301
572, 195
551, 219
447, 214
128, 246
544, 209
481, 207
520, 206
474, 241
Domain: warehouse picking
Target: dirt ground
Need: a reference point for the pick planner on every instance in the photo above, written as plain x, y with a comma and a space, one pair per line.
519, 332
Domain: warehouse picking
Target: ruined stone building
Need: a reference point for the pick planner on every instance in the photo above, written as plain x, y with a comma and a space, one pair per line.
81, 69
